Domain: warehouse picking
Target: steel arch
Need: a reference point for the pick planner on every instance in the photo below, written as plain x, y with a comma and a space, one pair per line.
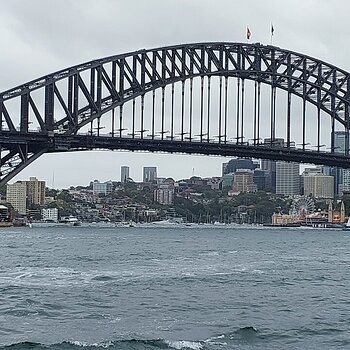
115, 80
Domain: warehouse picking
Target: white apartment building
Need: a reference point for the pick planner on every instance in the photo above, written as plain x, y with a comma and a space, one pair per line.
50, 214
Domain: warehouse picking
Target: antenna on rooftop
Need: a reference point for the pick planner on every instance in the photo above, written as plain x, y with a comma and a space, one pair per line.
53, 178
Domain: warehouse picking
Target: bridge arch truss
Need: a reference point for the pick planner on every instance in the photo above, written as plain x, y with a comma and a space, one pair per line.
187, 98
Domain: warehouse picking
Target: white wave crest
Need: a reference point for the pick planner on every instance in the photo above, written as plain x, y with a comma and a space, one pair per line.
83, 344
184, 344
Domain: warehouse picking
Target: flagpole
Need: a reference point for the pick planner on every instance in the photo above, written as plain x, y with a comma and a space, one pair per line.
272, 30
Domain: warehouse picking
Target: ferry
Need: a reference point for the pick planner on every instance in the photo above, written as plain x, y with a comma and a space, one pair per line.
70, 221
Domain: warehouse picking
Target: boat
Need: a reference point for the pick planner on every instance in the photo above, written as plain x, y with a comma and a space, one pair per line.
347, 226
6, 223
70, 220
125, 224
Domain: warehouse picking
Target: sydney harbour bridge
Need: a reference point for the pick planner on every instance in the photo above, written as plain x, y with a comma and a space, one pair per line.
227, 99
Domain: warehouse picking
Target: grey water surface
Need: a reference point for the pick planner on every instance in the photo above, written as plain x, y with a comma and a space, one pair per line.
174, 288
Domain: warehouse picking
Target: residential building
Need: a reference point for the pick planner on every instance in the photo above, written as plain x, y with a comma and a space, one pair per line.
243, 181
35, 191
149, 173
16, 194
102, 187
164, 194
124, 173
287, 178
50, 214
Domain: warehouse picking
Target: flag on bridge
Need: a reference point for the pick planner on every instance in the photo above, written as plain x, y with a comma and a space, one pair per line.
248, 33
272, 29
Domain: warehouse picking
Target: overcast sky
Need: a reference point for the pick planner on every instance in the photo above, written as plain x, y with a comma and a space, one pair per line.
42, 36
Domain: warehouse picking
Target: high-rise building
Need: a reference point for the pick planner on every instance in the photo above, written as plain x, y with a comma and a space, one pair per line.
261, 178
16, 194
345, 186
149, 173
223, 169
317, 184
287, 178
124, 173
339, 142
339, 147
243, 181
270, 165
35, 191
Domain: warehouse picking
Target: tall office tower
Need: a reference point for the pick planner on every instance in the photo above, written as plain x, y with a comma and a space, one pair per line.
339, 147
270, 165
16, 194
124, 173
339, 142
35, 191
223, 169
261, 178
287, 178
149, 173
318, 184
345, 186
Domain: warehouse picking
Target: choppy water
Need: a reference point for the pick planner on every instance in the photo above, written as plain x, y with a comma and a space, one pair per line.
137, 288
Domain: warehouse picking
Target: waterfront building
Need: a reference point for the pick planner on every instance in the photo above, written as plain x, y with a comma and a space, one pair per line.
124, 173
149, 173
102, 187
317, 184
50, 214
287, 178
35, 191
4, 212
16, 194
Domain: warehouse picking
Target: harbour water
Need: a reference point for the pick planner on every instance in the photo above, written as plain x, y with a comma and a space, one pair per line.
174, 288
